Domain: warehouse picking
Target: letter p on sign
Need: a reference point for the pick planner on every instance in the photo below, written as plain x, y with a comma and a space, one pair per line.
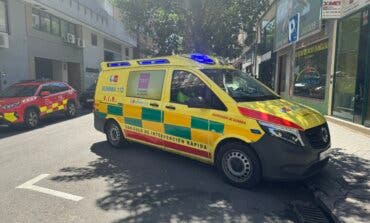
293, 28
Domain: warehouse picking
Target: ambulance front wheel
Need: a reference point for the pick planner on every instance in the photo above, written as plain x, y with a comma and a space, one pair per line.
114, 134
239, 165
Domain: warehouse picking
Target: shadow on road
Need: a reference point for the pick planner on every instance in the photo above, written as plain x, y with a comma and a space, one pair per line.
344, 186
156, 186
8, 131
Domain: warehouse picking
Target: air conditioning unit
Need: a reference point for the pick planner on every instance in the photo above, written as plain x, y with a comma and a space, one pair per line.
71, 38
4, 40
80, 43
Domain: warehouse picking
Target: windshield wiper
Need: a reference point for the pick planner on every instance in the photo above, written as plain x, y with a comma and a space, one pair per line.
260, 98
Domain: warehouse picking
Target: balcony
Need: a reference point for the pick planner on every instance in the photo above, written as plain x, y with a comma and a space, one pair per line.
99, 20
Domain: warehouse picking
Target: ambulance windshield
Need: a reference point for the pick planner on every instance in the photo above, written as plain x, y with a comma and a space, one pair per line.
240, 86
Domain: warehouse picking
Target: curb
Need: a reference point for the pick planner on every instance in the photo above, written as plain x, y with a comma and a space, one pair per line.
320, 202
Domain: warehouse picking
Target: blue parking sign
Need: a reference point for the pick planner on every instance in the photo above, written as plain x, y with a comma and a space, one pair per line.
293, 29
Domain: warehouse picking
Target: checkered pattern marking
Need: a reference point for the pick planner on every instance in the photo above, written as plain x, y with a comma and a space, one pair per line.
57, 106
173, 124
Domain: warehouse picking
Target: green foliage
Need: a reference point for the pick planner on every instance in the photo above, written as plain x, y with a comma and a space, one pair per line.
205, 26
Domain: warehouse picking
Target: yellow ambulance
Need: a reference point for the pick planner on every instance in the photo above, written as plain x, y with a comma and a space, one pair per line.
194, 106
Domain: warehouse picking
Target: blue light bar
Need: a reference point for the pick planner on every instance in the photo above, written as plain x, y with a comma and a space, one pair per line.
154, 62
119, 64
201, 58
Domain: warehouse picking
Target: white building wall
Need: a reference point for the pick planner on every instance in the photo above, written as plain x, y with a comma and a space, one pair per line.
93, 56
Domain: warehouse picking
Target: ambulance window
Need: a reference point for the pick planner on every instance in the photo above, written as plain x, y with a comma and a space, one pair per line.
59, 87
186, 86
146, 84
47, 87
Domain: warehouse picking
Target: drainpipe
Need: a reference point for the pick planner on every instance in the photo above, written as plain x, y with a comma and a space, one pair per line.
2, 80
332, 67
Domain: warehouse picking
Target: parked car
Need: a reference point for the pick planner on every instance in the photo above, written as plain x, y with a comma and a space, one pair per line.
87, 97
310, 86
196, 107
28, 101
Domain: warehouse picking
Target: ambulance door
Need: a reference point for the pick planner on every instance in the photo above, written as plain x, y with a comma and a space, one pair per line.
143, 106
48, 102
188, 113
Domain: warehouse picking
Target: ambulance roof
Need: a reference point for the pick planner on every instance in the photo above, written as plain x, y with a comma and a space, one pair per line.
191, 60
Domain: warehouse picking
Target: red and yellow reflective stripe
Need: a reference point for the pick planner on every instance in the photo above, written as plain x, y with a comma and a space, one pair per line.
168, 144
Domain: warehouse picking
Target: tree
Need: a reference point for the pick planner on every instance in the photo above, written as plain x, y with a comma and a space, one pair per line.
204, 26
158, 19
221, 23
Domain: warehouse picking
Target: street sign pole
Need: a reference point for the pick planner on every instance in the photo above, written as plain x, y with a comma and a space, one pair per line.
293, 38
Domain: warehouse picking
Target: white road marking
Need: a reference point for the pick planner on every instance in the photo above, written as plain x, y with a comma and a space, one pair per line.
30, 186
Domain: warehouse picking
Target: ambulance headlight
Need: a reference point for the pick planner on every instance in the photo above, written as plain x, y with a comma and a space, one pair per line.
288, 134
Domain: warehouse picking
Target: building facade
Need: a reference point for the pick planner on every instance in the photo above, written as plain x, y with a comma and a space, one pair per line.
328, 66
62, 40
351, 80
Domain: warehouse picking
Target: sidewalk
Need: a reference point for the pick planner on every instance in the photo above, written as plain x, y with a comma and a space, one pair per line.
343, 187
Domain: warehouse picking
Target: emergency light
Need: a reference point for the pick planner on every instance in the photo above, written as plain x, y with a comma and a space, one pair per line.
153, 62
119, 64
201, 58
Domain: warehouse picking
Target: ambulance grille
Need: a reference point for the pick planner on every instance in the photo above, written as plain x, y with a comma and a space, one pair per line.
315, 137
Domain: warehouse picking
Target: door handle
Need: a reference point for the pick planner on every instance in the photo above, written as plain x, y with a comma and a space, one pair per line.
171, 107
154, 105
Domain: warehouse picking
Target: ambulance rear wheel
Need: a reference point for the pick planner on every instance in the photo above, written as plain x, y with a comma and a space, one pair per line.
31, 118
239, 165
71, 110
114, 134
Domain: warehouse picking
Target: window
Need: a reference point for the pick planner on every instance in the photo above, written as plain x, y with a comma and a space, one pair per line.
59, 87
35, 19
240, 86
186, 86
64, 28
16, 91
3, 17
127, 52
94, 39
55, 26
310, 71
112, 56
267, 37
67, 27
72, 28
45, 22
347, 57
47, 87
54, 88
146, 84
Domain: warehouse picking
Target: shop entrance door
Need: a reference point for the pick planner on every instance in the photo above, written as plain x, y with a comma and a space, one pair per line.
348, 45
43, 68
351, 85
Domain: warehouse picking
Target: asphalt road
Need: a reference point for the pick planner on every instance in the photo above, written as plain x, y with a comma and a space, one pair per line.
133, 184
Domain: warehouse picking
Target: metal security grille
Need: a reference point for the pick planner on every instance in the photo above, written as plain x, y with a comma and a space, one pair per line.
309, 213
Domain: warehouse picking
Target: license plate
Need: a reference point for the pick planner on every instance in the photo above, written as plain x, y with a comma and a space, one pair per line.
325, 154
89, 100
